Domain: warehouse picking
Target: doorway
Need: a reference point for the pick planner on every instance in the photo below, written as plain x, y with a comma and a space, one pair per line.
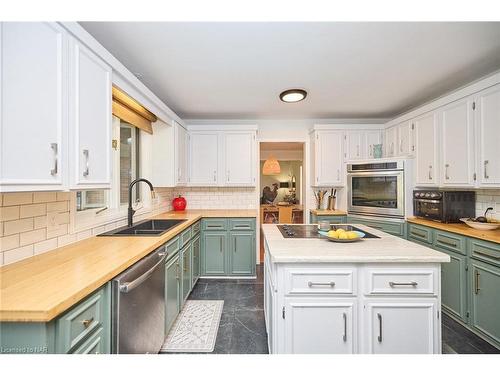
282, 184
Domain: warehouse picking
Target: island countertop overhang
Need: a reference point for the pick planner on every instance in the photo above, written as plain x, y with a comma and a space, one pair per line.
386, 249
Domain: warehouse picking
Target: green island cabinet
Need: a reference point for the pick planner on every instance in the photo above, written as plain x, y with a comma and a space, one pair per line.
228, 247
470, 283
85, 328
395, 228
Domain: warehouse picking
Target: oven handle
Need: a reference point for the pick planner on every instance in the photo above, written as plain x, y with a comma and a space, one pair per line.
426, 200
129, 286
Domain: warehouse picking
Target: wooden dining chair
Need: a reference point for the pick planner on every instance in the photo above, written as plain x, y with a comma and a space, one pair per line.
285, 215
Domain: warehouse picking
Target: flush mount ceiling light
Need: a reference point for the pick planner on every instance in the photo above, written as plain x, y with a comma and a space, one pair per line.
293, 95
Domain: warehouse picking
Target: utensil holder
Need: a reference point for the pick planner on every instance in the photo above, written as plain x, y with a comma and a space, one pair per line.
331, 203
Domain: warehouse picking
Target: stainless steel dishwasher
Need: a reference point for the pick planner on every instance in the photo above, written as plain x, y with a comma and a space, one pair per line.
138, 314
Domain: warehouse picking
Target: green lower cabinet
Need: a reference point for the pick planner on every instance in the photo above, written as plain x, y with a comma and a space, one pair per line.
186, 254
214, 253
242, 253
228, 247
172, 291
84, 328
454, 285
196, 259
485, 300
420, 234
394, 228
332, 219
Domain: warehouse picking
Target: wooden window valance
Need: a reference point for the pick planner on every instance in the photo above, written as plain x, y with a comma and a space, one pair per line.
131, 111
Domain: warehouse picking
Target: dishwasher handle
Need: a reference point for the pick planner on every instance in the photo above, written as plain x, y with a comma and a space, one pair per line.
129, 286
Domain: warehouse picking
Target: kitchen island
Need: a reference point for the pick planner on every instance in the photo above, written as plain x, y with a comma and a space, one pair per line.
377, 295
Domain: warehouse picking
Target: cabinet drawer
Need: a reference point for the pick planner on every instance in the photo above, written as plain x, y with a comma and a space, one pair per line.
93, 345
488, 252
449, 241
419, 233
331, 219
405, 281
214, 224
173, 247
80, 321
321, 281
242, 224
196, 228
185, 237
396, 229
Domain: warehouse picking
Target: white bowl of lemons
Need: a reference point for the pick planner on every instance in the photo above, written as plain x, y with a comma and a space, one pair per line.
342, 235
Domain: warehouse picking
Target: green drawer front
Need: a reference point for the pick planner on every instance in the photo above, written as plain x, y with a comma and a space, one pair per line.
488, 252
214, 224
80, 321
95, 344
450, 241
196, 228
396, 229
185, 237
173, 247
419, 233
331, 219
242, 224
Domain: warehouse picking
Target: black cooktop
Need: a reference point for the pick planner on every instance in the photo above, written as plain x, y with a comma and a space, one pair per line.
311, 231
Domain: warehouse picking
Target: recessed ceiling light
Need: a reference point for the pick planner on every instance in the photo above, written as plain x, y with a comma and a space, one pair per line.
293, 95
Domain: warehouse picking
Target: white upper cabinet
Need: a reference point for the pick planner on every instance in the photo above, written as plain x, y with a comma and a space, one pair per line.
90, 117
328, 158
457, 146
355, 145
391, 135
239, 158
405, 141
204, 158
426, 150
33, 110
487, 121
373, 137
169, 155
181, 155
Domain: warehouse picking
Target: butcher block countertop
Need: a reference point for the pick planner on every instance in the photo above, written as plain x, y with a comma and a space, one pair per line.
40, 288
386, 249
460, 228
328, 212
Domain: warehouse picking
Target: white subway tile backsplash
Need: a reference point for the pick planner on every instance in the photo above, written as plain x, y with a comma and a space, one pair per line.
31, 210
44, 197
58, 206
18, 254
17, 226
15, 199
9, 242
44, 246
33, 236
67, 239
9, 213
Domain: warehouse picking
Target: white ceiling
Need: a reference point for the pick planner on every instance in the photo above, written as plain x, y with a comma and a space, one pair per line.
360, 70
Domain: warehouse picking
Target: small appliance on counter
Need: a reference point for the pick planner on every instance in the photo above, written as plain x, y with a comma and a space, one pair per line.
444, 206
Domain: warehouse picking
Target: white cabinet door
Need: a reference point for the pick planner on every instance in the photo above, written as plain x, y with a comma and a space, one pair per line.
426, 146
457, 155
203, 158
373, 137
329, 160
239, 158
487, 121
33, 115
181, 155
402, 327
405, 144
355, 145
391, 135
90, 119
320, 326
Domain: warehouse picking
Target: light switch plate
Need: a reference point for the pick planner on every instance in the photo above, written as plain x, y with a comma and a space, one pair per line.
52, 221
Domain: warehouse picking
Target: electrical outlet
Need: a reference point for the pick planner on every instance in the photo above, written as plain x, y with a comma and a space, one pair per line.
52, 221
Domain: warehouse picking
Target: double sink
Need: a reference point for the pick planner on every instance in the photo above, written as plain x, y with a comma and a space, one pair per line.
146, 228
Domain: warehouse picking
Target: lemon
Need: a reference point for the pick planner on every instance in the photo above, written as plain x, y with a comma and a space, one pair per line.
343, 236
333, 234
352, 235
340, 230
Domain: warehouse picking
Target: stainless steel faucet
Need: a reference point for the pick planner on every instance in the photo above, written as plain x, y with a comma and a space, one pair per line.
131, 211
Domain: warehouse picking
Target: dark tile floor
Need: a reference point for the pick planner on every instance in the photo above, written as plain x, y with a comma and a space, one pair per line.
242, 329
